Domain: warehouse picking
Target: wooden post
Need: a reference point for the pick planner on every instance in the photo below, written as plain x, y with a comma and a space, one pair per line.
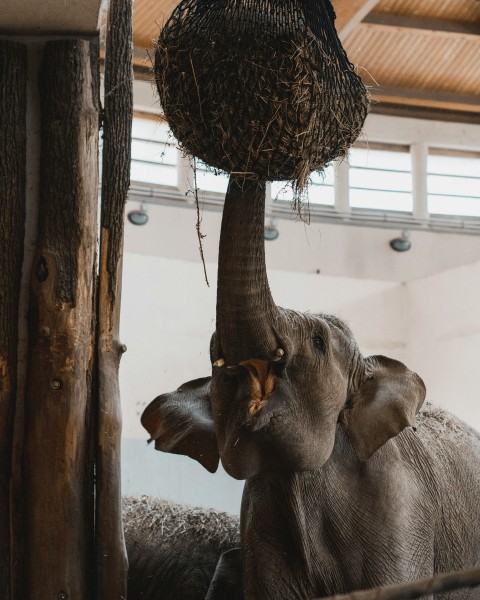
57, 462
118, 110
13, 77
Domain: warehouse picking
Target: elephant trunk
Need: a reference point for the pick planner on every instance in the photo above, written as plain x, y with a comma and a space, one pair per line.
246, 312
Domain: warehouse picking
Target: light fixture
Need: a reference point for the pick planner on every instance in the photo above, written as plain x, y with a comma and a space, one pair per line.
270, 231
402, 243
139, 216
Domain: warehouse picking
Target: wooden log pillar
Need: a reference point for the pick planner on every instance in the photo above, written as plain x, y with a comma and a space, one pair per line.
13, 77
112, 563
57, 460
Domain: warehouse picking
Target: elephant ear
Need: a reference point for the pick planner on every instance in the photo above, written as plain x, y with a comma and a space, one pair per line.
382, 406
181, 422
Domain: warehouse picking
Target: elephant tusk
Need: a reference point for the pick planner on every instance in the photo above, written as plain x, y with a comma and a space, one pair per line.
219, 363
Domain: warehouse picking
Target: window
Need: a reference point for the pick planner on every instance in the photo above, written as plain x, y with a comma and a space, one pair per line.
453, 183
380, 179
208, 180
154, 153
320, 189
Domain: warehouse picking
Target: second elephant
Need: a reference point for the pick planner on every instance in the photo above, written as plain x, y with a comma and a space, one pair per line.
173, 549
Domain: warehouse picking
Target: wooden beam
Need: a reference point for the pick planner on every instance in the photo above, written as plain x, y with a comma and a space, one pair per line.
427, 97
13, 78
57, 461
112, 563
414, 111
463, 28
350, 13
51, 17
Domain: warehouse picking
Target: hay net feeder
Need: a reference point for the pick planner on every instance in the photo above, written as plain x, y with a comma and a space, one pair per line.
259, 88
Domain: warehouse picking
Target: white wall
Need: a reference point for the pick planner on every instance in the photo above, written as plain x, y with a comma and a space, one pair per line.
443, 338
352, 252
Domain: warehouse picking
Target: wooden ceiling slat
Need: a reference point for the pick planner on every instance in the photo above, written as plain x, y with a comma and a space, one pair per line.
449, 27
416, 58
148, 18
350, 13
458, 10
432, 99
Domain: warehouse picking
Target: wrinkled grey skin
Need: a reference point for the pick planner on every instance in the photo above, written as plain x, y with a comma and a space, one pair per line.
173, 550
342, 493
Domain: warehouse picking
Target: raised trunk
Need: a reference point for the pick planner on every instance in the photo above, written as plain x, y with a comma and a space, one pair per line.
246, 313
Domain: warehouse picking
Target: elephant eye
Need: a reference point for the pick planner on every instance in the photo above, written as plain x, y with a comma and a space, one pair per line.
319, 343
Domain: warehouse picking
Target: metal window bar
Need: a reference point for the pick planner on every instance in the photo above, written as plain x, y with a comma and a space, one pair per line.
378, 186
453, 183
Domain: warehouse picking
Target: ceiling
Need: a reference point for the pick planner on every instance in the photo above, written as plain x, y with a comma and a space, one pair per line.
419, 57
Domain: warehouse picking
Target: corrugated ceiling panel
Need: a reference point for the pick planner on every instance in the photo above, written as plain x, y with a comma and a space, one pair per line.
149, 15
455, 10
416, 58
148, 18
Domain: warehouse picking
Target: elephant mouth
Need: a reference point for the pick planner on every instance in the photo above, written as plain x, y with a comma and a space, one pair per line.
262, 423
262, 384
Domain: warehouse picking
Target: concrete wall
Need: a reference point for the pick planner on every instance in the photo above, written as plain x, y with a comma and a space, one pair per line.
443, 338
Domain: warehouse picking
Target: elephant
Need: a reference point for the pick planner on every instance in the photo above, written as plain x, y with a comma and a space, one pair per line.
173, 549
352, 480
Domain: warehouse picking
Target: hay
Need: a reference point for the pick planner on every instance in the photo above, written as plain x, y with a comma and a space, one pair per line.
258, 87
440, 422
149, 519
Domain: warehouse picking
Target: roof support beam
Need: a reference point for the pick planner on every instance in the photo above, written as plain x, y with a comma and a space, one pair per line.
427, 97
430, 113
52, 17
465, 28
350, 13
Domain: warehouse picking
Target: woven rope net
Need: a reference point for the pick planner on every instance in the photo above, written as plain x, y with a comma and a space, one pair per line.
259, 87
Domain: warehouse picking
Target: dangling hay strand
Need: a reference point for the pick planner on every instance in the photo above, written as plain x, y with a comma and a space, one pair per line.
259, 87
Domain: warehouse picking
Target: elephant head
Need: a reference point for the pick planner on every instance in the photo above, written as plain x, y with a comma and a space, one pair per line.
281, 380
